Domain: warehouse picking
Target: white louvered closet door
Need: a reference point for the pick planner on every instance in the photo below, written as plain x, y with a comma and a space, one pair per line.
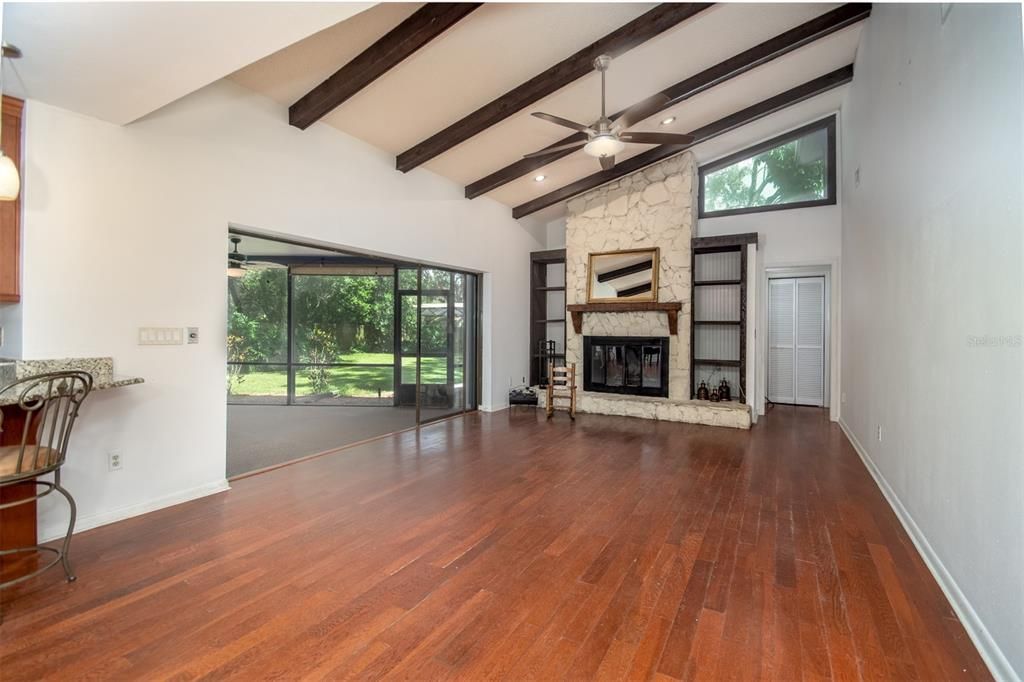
810, 341
781, 341
796, 340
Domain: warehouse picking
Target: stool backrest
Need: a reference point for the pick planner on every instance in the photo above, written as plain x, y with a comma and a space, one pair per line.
49, 404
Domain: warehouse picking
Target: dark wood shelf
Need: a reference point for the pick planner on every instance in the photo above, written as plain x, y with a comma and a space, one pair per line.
671, 309
736, 245
544, 329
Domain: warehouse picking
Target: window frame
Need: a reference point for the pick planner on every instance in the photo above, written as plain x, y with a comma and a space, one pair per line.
828, 124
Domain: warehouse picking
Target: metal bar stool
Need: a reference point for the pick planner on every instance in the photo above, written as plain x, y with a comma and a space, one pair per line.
50, 404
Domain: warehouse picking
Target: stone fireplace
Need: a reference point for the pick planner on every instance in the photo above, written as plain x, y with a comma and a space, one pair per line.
626, 365
654, 207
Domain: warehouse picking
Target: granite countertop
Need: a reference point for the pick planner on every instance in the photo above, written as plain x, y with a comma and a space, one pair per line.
101, 369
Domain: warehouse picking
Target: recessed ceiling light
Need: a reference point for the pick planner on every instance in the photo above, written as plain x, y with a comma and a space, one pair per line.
539, 178
668, 120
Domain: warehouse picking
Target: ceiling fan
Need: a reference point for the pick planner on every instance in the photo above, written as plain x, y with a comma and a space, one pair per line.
239, 263
608, 136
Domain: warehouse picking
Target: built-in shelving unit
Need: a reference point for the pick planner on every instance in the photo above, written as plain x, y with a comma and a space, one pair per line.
547, 312
718, 335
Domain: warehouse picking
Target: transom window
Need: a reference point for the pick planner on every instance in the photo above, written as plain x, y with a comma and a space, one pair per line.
794, 170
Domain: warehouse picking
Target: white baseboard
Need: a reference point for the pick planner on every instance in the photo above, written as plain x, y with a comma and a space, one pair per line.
990, 652
493, 408
84, 523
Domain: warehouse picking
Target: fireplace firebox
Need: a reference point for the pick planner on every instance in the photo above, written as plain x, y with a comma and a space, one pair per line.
634, 365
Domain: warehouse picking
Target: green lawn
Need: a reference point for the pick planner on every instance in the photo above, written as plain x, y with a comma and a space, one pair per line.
353, 381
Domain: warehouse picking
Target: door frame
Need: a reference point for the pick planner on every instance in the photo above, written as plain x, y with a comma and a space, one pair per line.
789, 272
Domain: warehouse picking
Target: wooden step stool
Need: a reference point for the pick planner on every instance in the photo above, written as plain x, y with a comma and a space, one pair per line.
561, 386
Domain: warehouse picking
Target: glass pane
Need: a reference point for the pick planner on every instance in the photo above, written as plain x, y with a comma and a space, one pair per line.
258, 384
348, 385
408, 321
258, 316
794, 171
436, 279
343, 318
434, 325
652, 367
614, 365
407, 279
408, 338
469, 313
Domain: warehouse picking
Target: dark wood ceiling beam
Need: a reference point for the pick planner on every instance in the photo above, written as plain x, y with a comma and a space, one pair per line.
723, 125
420, 28
620, 41
784, 43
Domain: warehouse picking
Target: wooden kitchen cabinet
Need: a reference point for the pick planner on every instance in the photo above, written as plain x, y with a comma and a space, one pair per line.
10, 211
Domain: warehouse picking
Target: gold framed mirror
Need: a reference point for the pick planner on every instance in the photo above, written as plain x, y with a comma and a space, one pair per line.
623, 276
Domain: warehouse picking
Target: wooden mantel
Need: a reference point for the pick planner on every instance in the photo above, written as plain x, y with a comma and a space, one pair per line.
670, 309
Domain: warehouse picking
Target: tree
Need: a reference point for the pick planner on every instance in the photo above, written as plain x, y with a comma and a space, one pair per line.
776, 176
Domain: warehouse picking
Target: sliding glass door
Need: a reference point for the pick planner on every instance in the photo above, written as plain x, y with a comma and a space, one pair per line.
437, 317
355, 335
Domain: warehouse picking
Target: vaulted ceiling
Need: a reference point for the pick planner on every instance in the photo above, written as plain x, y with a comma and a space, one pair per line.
748, 69
451, 87
119, 61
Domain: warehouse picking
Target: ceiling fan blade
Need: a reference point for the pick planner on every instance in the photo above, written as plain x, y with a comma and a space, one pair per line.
558, 120
552, 150
607, 162
262, 265
640, 111
657, 138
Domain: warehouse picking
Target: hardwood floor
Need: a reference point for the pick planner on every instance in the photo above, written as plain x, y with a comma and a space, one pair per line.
505, 546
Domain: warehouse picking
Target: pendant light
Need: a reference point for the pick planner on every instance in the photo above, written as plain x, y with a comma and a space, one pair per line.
10, 180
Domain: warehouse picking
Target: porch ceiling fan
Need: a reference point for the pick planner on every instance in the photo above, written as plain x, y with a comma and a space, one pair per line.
239, 263
608, 136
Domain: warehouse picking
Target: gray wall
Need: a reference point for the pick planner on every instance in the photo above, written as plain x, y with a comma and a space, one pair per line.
932, 303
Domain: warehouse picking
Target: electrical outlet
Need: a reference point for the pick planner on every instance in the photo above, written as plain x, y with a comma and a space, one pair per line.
856, 177
842, 398
115, 460
879, 433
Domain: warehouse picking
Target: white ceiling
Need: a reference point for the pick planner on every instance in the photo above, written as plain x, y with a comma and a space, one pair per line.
499, 46
119, 61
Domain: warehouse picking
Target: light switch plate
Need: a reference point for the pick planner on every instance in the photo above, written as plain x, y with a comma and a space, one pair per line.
193, 334
161, 336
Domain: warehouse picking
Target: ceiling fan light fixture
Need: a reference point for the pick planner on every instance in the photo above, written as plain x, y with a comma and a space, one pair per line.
235, 259
604, 145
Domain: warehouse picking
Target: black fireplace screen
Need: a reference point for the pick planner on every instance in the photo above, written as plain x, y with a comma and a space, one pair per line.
626, 364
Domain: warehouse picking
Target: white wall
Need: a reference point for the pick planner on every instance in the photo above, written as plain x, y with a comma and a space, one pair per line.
797, 237
126, 227
933, 240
